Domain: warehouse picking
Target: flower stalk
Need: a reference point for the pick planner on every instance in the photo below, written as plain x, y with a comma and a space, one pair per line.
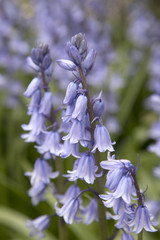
99, 183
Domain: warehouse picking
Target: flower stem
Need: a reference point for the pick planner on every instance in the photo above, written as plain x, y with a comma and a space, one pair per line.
99, 183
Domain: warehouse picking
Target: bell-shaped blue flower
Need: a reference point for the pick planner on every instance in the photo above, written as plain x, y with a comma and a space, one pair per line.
85, 169
69, 211
142, 219
51, 143
71, 93
90, 213
38, 225
76, 133
42, 172
102, 139
80, 107
46, 104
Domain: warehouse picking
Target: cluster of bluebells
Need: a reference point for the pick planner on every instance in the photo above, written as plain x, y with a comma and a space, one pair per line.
65, 19
82, 135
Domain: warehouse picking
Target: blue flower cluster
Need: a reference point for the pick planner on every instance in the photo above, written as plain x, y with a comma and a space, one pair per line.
79, 133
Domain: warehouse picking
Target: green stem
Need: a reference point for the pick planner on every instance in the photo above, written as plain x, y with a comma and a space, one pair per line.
99, 183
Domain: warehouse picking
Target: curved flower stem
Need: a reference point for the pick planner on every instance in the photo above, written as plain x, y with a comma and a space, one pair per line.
140, 201
99, 183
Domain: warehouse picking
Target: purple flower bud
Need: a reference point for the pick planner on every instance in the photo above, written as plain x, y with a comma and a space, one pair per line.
46, 104
32, 87
71, 93
98, 107
89, 60
46, 61
83, 48
80, 107
77, 39
38, 225
66, 64
74, 55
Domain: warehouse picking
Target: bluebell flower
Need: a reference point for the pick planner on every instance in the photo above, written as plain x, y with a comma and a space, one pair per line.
72, 192
102, 139
76, 133
65, 126
42, 172
34, 103
90, 213
70, 149
32, 87
31, 137
37, 192
117, 203
119, 178
71, 93
68, 113
142, 219
80, 107
51, 143
69, 211
38, 225
46, 104
36, 124
85, 169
